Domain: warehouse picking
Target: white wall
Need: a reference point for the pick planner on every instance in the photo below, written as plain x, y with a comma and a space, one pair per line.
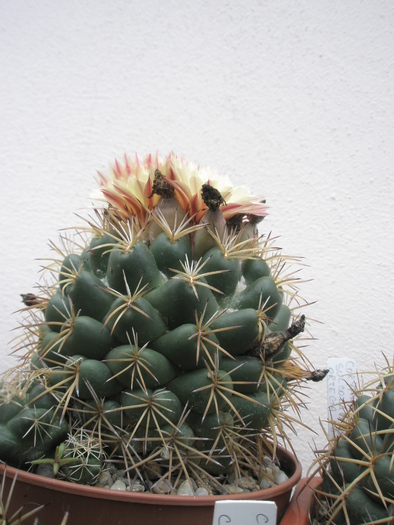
293, 98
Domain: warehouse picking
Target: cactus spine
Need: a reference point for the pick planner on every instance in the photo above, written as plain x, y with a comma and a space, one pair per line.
357, 464
166, 339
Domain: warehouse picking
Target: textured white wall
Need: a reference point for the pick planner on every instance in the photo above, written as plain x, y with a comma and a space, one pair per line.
293, 98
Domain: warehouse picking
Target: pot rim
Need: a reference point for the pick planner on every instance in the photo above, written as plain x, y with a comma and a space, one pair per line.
298, 510
155, 499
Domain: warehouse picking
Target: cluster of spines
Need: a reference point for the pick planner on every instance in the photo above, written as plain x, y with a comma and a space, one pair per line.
167, 340
357, 466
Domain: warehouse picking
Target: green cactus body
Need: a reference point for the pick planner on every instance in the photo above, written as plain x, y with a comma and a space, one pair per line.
95, 416
10, 409
227, 273
136, 267
185, 432
274, 384
151, 407
216, 429
239, 330
57, 312
342, 463
253, 269
363, 509
82, 460
71, 265
364, 440
205, 391
66, 374
134, 367
279, 323
170, 254
179, 303
21, 423
388, 443
87, 337
211, 426
95, 376
246, 372
357, 468
181, 442
31, 434
154, 340
282, 319
254, 410
99, 251
125, 316
385, 409
384, 476
51, 350
365, 408
10, 446
39, 397
187, 347
83, 470
262, 292
89, 296
218, 464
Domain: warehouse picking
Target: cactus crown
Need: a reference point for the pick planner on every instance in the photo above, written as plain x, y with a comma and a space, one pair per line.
165, 341
357, 464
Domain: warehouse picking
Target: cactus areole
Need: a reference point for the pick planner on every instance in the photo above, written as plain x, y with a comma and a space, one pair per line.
356, 466
164, 341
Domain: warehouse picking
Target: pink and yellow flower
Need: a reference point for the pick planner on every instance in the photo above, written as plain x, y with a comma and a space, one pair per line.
128, 187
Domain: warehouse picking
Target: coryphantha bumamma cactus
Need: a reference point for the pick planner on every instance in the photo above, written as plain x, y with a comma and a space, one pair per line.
357, 464
166, 340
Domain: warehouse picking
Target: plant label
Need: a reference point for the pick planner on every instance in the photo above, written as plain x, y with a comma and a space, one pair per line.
341, 381
231, 512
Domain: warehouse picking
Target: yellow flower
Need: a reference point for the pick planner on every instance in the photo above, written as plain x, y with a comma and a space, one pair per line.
128, 187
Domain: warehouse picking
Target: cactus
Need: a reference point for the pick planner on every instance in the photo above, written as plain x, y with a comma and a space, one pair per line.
357, 464
167, 337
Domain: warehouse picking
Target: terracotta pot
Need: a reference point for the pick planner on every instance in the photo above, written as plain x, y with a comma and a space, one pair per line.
107, 507
298, 511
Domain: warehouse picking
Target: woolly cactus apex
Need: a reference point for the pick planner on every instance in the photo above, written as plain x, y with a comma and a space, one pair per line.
166, 341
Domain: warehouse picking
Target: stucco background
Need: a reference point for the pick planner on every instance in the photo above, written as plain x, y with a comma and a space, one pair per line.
294, 99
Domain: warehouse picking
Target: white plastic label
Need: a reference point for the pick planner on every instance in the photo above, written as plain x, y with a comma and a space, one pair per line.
341, 381
252, 512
